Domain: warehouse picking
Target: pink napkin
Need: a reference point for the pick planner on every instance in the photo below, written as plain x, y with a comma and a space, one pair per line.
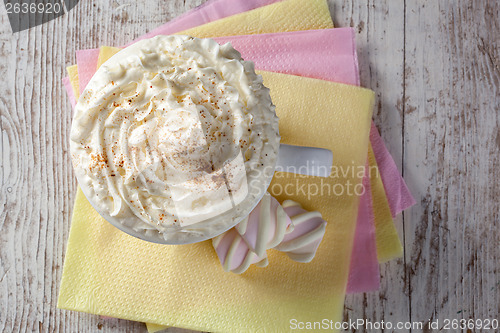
398, 194
88, 59
364, 274
69, 91
328, 54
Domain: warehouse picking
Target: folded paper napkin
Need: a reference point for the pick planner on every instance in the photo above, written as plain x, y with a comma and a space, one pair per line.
288, 15
364, 274
69, 90
400, 198
388, 245
334, 60
110, 273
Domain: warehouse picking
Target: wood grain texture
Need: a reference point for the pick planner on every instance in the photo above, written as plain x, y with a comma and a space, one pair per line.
435, 66
380, 43
451, 158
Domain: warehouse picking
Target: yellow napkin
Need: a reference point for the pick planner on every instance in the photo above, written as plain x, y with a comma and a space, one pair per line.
106, 52
386, 236
73, 78
110, 273
288, 16
153, 328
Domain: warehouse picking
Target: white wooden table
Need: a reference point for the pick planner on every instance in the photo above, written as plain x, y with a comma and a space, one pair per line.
435, 66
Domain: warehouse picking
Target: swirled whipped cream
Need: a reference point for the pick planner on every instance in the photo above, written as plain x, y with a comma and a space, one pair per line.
175, 139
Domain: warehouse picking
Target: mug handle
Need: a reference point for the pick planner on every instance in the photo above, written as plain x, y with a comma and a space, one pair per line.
308, 161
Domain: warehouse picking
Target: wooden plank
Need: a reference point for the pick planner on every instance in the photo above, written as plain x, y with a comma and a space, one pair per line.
451, 154
380, 44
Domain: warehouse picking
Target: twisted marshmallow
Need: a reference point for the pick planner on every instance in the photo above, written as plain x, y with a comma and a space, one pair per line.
246, 244
234, 254
288, 228
303, 241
